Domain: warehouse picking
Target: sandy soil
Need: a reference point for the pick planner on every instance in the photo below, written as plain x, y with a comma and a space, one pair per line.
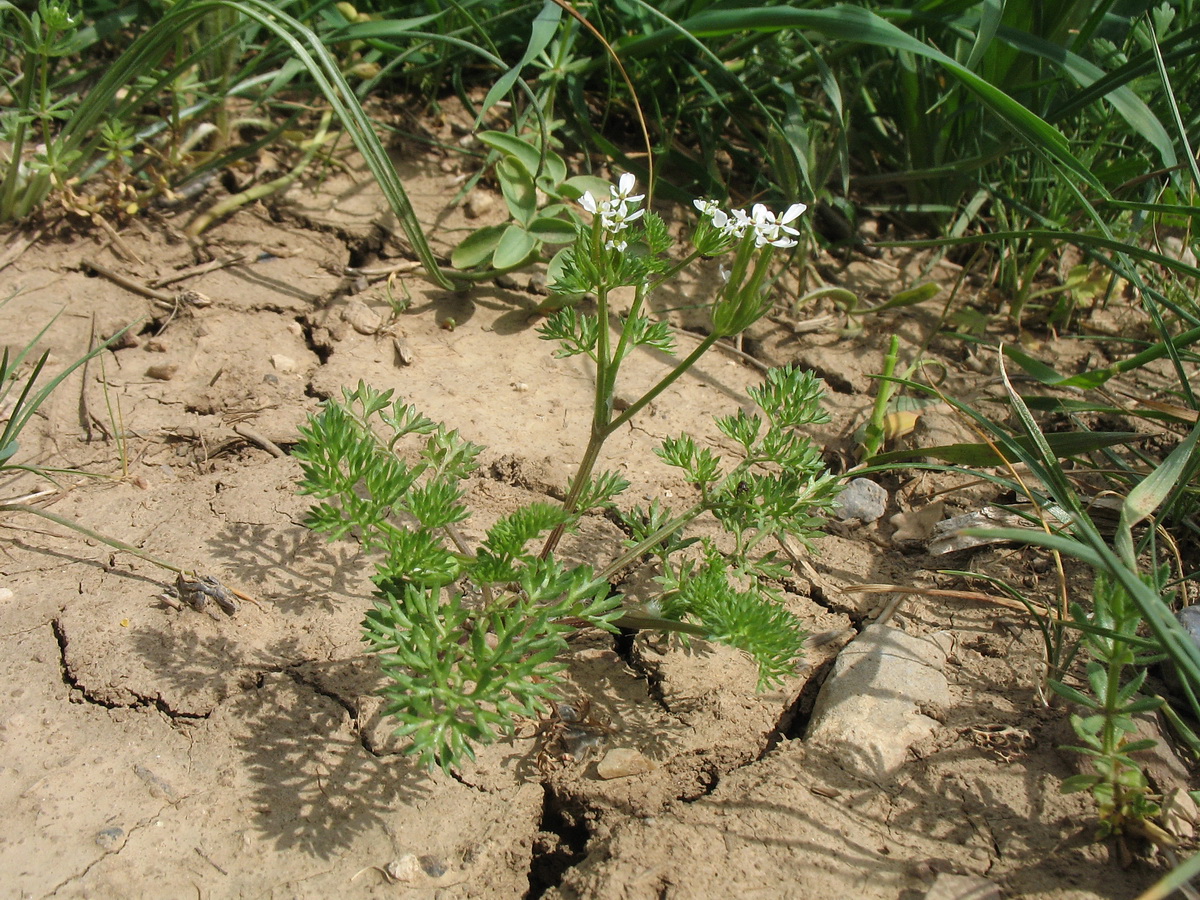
148, 751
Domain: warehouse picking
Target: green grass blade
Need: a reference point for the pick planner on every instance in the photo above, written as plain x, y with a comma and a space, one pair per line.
1150, 493
1128, 105
1061, 444
150, 47
862, 26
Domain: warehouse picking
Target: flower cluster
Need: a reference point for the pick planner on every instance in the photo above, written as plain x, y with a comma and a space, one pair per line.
767, 227
616, 212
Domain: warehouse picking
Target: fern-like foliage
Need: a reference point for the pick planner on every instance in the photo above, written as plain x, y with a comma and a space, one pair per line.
469, 640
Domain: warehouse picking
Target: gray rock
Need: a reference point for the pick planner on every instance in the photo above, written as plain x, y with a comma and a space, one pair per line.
110, 838
862, 499
873, 705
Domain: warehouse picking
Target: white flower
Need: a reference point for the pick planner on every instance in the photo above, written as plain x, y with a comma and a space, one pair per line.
623, 192
772, 229
618, 218
739, 223
617, 211
768, 228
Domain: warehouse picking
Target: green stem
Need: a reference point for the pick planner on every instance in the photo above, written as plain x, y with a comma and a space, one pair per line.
94, 535
667, 380
237, 201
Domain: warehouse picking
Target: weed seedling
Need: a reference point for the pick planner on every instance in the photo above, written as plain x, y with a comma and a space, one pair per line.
471, 638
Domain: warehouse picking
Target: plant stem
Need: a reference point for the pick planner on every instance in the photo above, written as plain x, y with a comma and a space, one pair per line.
602, 429
94, 535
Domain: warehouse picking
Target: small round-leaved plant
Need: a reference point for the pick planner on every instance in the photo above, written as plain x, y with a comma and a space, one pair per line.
472, 637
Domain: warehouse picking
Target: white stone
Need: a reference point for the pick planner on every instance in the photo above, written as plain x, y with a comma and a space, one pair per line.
962, 887
871, 708
283, 363
621, 763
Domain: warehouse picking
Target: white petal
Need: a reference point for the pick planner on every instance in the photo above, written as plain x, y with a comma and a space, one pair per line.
794, 211
626, 185
588, 202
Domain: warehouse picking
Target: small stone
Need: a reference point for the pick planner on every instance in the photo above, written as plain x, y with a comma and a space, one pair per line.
110, 838
621, 763
478, 203
404, 353
5, 594
361, 317
284, 364
406, 868
507, 282
872, 707
127, 339
156, 345
432, 866
163, 372
862, 499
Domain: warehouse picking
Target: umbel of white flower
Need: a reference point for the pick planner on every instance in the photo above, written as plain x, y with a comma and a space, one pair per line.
621, 208
768, 227
617, 211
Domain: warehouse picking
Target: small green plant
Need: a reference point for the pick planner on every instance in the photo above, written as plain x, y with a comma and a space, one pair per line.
526, 176
1115, 676
19, 400
471, 638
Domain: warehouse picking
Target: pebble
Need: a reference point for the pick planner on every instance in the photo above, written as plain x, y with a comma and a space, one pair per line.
406, 868
621, 763
361, 317
432, 866
110, 838
284, 364
862, 499
411, 868
162, 372
478, 203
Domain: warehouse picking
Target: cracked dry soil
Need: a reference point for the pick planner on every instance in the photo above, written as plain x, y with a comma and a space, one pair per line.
153, 752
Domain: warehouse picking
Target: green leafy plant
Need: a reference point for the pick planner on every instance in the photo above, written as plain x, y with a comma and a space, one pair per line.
1115, 676
536, 191
471, 637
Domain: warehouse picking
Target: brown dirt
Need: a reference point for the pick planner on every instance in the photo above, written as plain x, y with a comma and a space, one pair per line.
154, 752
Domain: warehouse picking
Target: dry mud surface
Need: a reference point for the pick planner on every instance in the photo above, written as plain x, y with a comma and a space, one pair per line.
148, 751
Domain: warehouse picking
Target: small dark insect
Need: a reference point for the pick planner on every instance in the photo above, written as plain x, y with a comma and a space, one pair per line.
570, 733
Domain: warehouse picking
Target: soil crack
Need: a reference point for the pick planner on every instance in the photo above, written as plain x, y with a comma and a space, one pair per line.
79, 876
81, 694
558, 846
294, 672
